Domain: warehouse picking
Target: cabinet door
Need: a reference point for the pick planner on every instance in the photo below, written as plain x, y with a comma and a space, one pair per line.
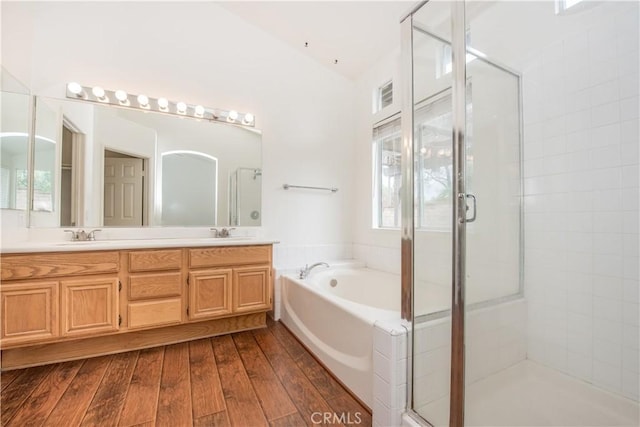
209, 293
89, 306
29, 312
251, 289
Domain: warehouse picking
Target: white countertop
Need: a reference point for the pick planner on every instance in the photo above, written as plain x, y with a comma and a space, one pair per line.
103, 245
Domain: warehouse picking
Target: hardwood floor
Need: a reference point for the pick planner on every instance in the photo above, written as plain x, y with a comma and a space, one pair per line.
259, 378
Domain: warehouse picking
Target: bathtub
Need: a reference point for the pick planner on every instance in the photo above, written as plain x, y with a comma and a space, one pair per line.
333, 311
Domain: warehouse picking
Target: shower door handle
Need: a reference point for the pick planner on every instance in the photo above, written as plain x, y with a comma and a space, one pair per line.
475, 209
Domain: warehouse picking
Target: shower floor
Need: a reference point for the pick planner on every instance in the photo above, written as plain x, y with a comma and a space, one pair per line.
528, 394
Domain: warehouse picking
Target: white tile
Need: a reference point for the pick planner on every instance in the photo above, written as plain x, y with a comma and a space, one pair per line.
604, 93
630, 133
630, 245
630, 360
607, 222
607, 330
631, 267
580, 343
630, 199
579, 140
607, 376
630, 313
629, 82
630, 222
382, 366
606, 157
381, 414
605, 114
631, 290
631, 385
607, 352
554, 127
382, 342
607, 200
580, 366
601, 71
605, 135
629, 153
630, 176
607, 178
630, 336
607, 243
629, 108
381, 390
577, 121
579, 262
607, 287
580, 303
607, 309
607, 265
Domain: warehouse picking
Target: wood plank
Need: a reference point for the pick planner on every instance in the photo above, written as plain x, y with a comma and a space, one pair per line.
218, 419
292, 420
136, 340
45, 397
31, 266
107, 403
303, 393
243, 407
174, 401
76, 399
14, 396
206, 391
8, 376
350, 409
141, 402
273, 397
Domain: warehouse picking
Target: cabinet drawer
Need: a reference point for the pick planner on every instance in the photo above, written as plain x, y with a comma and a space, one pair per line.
161, 285
229, 255
33, 266
155, 260
153, 313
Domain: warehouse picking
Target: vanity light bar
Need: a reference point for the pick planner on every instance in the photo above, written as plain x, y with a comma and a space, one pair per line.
121, 98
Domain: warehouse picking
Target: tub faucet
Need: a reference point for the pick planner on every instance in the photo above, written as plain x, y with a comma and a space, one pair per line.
304, 272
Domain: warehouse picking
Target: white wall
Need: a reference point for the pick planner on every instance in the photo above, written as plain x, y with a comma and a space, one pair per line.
206, 55
581, 185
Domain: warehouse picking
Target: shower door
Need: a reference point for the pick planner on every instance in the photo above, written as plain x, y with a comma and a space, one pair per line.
462, 162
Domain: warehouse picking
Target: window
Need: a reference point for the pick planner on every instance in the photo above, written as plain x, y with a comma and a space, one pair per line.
434, 161
387, 175
383, 97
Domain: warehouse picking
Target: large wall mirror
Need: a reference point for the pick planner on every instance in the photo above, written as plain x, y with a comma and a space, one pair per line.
98, 165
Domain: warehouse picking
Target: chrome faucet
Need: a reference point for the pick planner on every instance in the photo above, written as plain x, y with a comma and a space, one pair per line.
224, 232
82, 236
304, 272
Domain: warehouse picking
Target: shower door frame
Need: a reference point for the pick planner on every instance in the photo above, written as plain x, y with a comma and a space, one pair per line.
459, 49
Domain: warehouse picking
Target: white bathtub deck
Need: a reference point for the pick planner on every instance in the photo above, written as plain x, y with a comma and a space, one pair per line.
528, 394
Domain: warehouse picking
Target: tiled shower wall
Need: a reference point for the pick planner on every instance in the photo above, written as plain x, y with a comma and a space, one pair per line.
581, 203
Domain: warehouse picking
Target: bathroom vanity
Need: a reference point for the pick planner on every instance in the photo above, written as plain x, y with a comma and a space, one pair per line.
75, 300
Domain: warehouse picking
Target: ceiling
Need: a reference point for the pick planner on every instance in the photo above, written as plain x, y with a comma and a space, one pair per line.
355, 33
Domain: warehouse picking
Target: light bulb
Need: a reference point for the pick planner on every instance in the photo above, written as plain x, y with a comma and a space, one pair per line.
75, 88
233, 115
199, 110
121, 96
98, 92
163, 103
143, 100
181, 107
248, 118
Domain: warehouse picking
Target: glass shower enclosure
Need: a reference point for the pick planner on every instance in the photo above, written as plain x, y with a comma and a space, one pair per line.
482, 81
466, 226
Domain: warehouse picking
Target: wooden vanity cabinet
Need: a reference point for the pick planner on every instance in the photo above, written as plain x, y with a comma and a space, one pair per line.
69, 305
